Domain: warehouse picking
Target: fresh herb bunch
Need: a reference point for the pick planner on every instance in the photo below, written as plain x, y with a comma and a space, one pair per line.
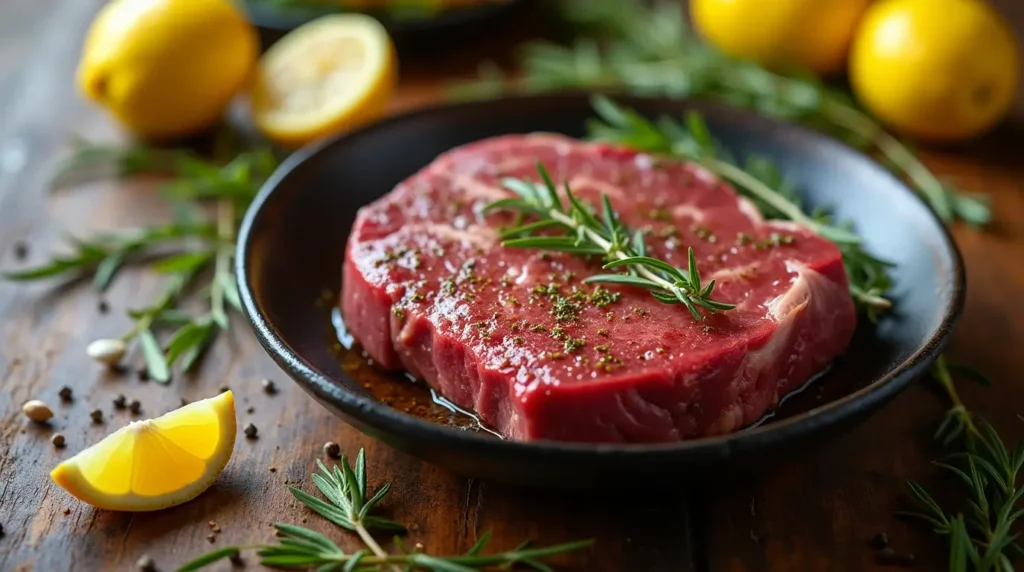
586, 234
350, 506
982, 537
757, 178
648, 49
193, 254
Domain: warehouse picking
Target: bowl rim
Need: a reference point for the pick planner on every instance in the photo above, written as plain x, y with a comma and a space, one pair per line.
286, 18
376, 414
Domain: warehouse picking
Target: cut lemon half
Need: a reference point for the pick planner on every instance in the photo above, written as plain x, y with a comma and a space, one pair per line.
334, 73
156, 463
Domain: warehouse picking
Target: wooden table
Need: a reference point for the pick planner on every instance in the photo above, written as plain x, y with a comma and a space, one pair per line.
816, 511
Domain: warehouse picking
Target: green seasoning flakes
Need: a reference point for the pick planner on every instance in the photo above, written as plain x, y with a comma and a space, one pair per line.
601, 297
565, 310
773, 240
660, 214
607, 363
398, 312
572, 344
704, 233
550, 290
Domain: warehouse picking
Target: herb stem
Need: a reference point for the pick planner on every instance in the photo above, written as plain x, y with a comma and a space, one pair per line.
861, 124
174, 287
222, 261
869, 299
609, 248
940, 371
371, 543
756, 187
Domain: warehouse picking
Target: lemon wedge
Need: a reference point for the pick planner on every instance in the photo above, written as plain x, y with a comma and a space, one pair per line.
156, 463
334, 73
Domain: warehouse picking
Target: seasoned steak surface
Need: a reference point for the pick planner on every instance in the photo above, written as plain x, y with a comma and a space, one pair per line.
516, 336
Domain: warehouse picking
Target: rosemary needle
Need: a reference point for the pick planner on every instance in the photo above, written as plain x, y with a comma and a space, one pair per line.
182, 253
646, 48
349, 505
586, 234
757, 178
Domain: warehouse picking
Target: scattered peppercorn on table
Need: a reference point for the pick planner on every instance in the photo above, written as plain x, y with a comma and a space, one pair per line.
804, 513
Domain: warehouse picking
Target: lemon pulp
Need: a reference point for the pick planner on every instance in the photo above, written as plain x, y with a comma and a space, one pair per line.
334, 73
155, 463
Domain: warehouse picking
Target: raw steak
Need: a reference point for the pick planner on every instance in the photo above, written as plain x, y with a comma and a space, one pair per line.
516, 336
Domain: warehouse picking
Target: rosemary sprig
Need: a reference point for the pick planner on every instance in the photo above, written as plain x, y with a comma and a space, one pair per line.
349, 506
648, 49
757, 178
982, 537
585, 233
193, 254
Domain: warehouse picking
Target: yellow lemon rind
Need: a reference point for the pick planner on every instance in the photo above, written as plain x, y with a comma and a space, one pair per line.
69, 476
365, 103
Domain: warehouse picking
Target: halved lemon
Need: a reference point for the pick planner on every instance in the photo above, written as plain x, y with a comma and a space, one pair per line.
156, 463
334, 73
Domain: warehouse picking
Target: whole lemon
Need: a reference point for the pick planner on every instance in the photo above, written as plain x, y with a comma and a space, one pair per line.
167, 68
809, 34
941, 70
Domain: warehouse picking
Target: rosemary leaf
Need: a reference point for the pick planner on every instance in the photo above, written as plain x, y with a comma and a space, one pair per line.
191, 355
185, 262
757, 179
646, 48
185, 339
586, 235
185, 250
210, 558
156, 363
345, 488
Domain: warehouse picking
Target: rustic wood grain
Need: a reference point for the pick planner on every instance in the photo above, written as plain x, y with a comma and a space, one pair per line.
815, 511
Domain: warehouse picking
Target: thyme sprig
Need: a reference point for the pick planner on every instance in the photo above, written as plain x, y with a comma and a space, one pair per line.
349, 505
648, 49
981, 537
757, 178
192, 254
586, 233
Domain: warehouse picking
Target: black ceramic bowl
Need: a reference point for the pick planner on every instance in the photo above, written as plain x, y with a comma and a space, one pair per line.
293, 237
280, 16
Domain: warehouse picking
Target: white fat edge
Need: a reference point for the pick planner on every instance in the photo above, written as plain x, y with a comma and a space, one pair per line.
783, 309
730, 274
687, 210
750, 210
786, 225
703, 175
803, 289
582, 182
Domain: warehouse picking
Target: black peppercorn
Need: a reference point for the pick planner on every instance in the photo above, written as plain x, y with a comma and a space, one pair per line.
145, 563
269, 387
